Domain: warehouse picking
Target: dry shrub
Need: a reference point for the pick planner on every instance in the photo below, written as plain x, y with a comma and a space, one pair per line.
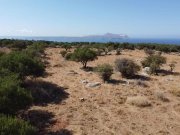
161, 96
141, 83
139, 101
176, 92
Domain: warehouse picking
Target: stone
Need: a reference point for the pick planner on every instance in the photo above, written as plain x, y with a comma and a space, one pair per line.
72, 72
93, 85
84, 81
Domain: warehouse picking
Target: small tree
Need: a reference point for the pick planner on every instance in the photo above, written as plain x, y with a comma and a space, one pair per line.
127, 67
14, 126
154, 62
84, 55
105, 71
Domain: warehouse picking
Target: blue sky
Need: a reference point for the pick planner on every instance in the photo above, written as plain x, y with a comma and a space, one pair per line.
136, 18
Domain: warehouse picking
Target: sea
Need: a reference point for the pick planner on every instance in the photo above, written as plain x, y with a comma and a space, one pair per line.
103, 40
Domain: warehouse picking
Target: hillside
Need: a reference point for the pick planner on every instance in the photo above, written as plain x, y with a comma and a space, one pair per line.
106, 110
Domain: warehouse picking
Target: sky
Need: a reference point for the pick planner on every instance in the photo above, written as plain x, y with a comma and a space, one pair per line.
135, 18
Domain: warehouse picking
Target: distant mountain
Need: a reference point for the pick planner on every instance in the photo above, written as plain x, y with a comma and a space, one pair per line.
108, 37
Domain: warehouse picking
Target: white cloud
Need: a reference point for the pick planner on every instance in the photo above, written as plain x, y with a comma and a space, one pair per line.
25, 31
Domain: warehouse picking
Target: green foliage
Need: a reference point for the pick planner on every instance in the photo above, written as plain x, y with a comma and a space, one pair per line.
84, 55
14, 126
63, 53
1, 53
69, 56
66, 46
105, 71
36, 49
22, 64
154, 62
12, 97
127, 67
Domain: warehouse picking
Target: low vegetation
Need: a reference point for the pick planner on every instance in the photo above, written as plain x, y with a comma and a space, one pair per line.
24, 62
13, 126
126, 67
84, 55
138, 101
63, 53
105, 71
154, 62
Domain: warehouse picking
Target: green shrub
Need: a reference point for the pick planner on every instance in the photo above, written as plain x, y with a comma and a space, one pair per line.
154, 62
127, 67
63, 53
66, 47
22, 64
12, 97
14, 126
69, 56
84, 55
105, 71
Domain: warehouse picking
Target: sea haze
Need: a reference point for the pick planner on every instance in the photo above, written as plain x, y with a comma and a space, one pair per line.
108, 37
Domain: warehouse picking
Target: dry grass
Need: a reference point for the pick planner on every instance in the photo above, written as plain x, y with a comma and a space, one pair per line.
105, 110
139, 101
161, 96
176, 92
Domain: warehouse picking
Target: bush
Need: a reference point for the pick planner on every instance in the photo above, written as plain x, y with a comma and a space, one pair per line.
22, 64
12, 97
105, 71
63, 53
149, 52
84, 55
118, 51
66, 47
172, 66
154, 62
69, 56
127, 67
14, 126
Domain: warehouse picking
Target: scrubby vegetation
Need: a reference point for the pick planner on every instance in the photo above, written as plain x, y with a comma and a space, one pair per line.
24, 62
13, 96
84, 55
126, 67
105, 71
15, 66
154, 62
63, 53
13, 126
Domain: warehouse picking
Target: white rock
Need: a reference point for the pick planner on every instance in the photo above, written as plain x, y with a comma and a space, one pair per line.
92, 85
82, 99
84, 81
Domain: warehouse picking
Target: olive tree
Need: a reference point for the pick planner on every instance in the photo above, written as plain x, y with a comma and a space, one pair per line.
84, 55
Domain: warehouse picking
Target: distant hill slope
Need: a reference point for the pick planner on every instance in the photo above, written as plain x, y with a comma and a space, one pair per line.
108, 37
